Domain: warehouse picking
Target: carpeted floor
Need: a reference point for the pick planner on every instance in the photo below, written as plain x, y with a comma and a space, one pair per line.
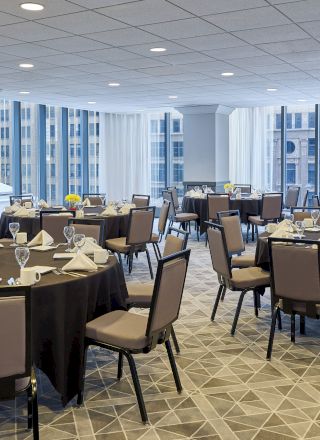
229, 390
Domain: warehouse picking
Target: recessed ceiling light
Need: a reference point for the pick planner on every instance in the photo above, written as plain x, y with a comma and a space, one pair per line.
301, 100
158, 49
32, 6
92, 102
24, 93
227, 74
114, 84
26, 65
272, 90
172, 97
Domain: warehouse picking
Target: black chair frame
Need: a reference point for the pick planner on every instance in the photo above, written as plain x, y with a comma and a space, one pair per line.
21, 197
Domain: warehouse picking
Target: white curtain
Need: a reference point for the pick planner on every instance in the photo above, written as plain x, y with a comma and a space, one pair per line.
125, 156
251, 139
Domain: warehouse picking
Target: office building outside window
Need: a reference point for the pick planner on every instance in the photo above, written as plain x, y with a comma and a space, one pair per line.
93, 135
176, 149
53, 155
29, 148
6, 171
158, 154
74, 151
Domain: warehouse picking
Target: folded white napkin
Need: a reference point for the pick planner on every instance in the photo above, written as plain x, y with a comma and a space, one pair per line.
308, 223
126, 208
89, 247
63, 208
15, 207
22, 212
80, 262
281, 234
109, 211
42, 238
86, 202
43, 204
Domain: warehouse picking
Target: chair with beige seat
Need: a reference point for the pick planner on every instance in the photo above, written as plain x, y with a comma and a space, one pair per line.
237, 280
140, 200
244, 187
90, 227
302, 213
183, 218
22, 197
216, 202
139, 234
175, 198
128, 333
17, 375
271, 211
94, 198
295, 282
162, 224
53, 222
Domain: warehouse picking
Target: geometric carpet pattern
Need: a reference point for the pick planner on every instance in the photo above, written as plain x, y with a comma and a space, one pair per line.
230, 391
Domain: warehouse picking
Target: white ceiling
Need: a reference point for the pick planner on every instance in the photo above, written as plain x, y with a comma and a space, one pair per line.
79, 46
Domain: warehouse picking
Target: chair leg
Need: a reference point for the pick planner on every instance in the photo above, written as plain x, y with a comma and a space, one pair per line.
275, 314
216, 303
197, 229
29, 394
120, 260
137, 387
175, 340
149, 263
120, 366
252, 232
255, 302
302, 325
158, 249
248, 229
155, 251
293, 327
237, 314
35, 417
223, 293
206, 238
130, 256
81, 391
279, 320
173, 366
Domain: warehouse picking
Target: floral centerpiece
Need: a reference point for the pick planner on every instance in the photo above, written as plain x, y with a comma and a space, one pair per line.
228, 188
72, 199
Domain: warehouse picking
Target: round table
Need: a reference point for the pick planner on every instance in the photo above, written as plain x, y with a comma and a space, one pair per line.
246, 206
61, 306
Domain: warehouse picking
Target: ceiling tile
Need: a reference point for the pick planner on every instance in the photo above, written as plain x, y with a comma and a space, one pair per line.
185, 58
307, 44
144, 49
28, 50
139, 62
124, 37
272, 34
30, 31
73, 44
306, 10
51, 8
312, 27
108, 55
145, 12
191, 27
92, 4
300, 56
65, 60
218, 41
235, 52
206, 7
98, 68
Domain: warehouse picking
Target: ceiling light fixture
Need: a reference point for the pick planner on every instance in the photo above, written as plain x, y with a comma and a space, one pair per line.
158, 49
227, 74
32, 6
172, 97
24, 93
92, 102
26, 65
301, 100
272, 90
114, 84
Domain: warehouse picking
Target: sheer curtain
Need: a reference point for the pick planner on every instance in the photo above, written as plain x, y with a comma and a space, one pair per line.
124, 155
251, 139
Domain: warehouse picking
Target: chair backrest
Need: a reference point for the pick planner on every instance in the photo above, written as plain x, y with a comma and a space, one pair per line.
302, 212
295, 270
53, 223
271, 206
23, 197
315, 201
292, 196
174, 192
305, 199
140, 200
167, 294
217, 203
230, 220
15, 341
90, 228
174, 244
167, 195
163, 217
140, 225
218, 250
244, 187
94, 198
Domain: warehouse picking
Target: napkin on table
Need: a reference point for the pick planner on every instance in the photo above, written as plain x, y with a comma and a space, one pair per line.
41, 239
126, 208
43, 204
89, 247
86, 202
80, 262
109, 211
22, 212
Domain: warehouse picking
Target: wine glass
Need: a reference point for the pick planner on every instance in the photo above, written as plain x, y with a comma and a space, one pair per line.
79, 240
196, 188
14, 228
300, 228
103, 199
315, 216
22, 254
79, 206
68, 232
205, 189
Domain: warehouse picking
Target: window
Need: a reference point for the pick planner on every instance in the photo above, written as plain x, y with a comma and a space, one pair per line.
74, 153
6, 142
278, 121
158, 155
29, 148
311, 173
290, 147
176, 125
298, 120
176, 152
52, 130
289, 120
93, 120
53, 151
291, 173
311, 146
311, 120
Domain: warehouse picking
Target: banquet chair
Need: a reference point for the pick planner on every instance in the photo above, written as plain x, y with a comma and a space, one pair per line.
230, 220
315, 201
129, 333
271, 211
236, 280
175, 198
140, 200
216, 202
162, 224
139, 234
17, 375
183, 218
53, 223
90, 228
94, 198
295, 282
306, 199
23, 197
292, 197
244, 187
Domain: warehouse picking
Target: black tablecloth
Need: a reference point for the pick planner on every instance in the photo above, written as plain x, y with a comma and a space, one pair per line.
199, 206
61, 306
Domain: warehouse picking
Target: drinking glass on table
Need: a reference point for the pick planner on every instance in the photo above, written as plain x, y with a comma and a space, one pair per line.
196, 188
79, 240
68, 232
315, 216
14, 228
300, 228
22, 254
205, 189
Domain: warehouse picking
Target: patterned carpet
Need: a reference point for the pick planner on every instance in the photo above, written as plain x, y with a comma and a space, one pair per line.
229, 390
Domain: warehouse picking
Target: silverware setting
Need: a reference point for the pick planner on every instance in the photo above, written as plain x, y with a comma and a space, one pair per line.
72, 274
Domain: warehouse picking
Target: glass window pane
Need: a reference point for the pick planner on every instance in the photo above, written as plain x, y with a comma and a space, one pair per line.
176, 159
93, 152
74, 152
29, 148
6, 145
298, 120
158, 164
53, 155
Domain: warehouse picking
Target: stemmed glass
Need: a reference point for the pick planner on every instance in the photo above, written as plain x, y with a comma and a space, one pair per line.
68, 232
79, 240
196, 188
290, 219
315, 216
103, 200
14, 229
300, 228
205, 189
22, 255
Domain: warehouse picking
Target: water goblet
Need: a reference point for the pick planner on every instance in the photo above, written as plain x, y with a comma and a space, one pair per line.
14, 228
315, 216
79, 240
68, 232
205, 189
300, 228
22, 254
196, 188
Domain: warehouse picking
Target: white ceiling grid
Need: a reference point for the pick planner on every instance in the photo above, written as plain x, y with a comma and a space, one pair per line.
79, 46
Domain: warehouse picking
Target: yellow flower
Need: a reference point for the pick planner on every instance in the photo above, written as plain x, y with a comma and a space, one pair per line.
228, 186
73, 198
